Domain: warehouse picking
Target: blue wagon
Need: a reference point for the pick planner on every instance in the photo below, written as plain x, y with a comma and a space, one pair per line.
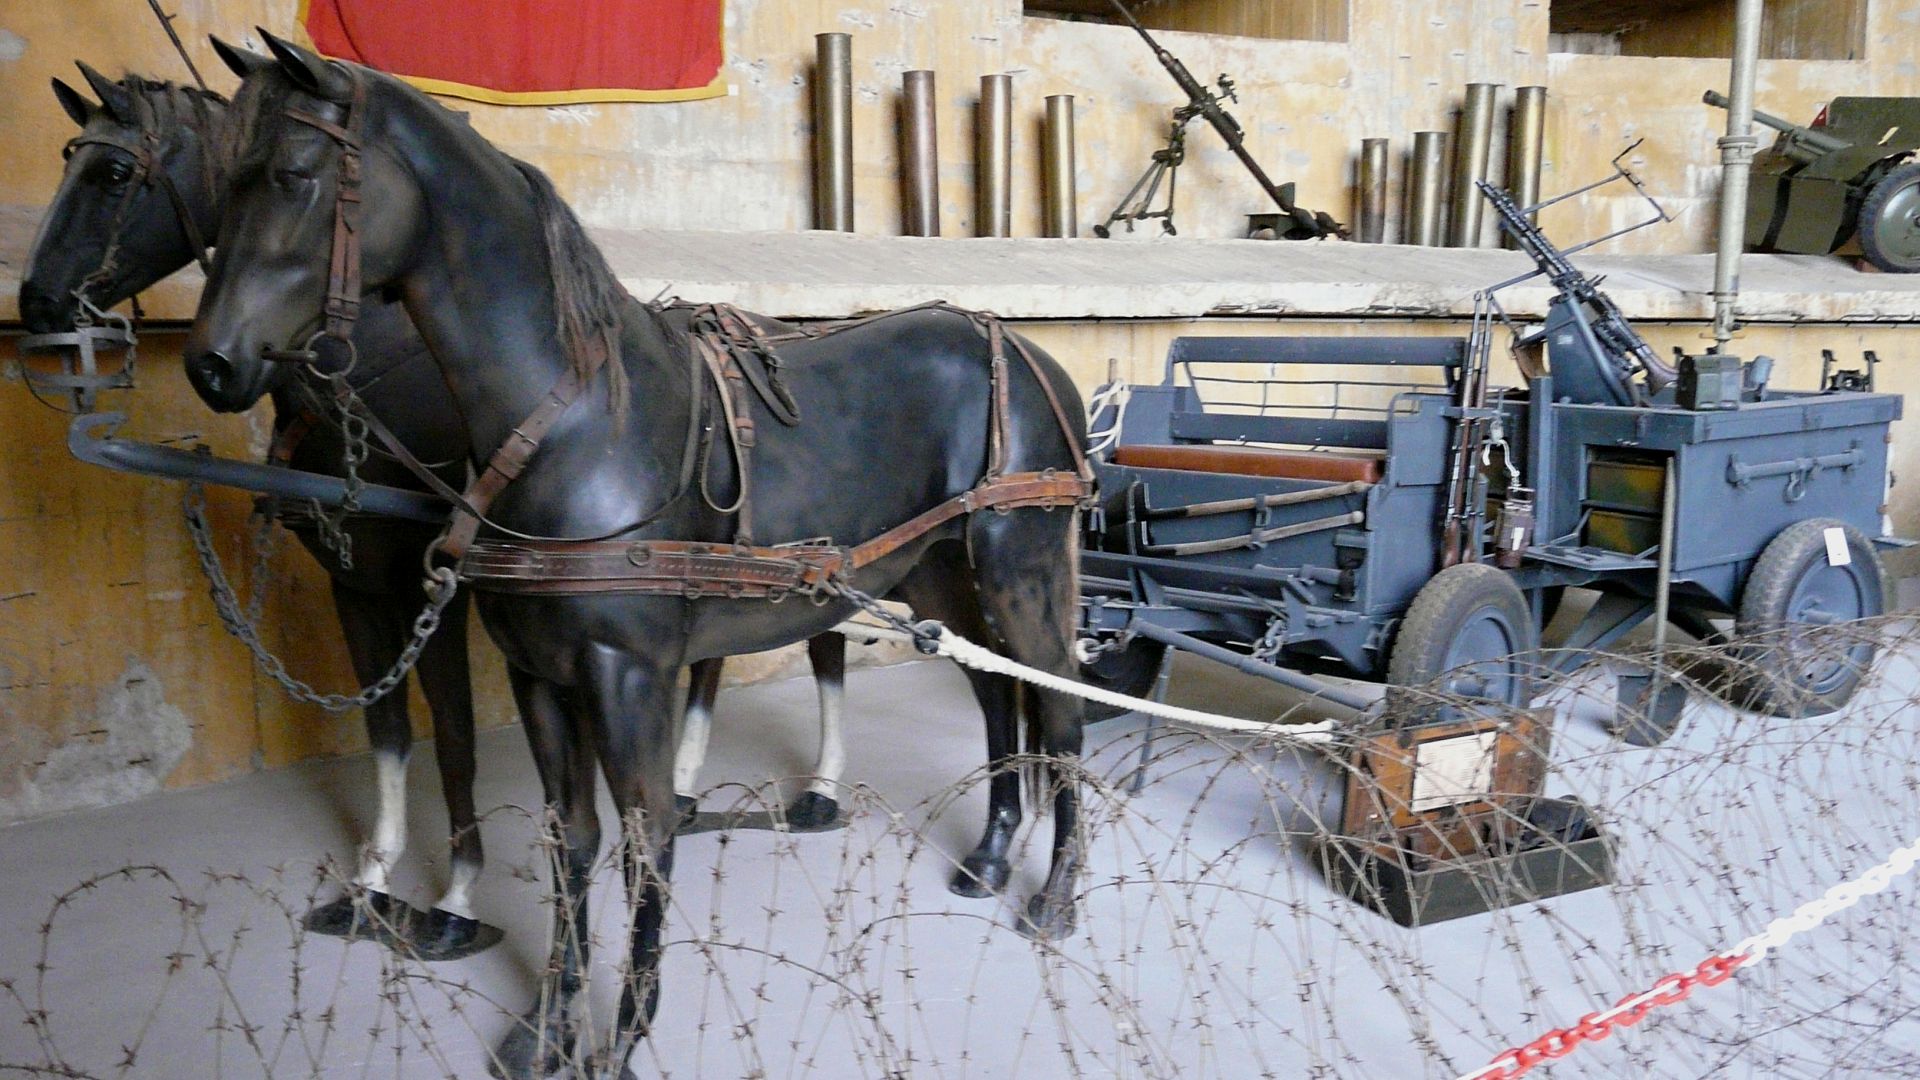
1368, 506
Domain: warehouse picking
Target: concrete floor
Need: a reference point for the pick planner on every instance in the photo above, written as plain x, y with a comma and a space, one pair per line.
1208, 946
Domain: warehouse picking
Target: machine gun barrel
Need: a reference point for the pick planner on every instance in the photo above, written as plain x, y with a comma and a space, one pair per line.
1610, 326
1204, 103
1802, 144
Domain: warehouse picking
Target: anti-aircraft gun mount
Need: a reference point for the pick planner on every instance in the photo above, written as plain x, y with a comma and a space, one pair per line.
1292, 222
1849, 173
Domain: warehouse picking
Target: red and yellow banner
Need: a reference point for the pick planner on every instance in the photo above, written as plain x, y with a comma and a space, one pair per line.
530, 52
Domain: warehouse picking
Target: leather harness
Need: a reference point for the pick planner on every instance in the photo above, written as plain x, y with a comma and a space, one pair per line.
736, 356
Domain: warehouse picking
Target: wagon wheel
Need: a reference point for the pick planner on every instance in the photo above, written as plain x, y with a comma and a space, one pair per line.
1129, 670
1787, 665
1468, 634
1889, 221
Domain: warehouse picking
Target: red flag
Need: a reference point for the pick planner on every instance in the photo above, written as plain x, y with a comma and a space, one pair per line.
530, 52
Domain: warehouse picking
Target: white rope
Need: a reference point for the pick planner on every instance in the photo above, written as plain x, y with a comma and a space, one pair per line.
967, 654
1115, 394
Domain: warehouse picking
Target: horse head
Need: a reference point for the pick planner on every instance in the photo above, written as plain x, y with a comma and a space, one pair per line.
315, 217
138, 190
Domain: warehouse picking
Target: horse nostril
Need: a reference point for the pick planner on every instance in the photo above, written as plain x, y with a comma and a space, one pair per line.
214, 369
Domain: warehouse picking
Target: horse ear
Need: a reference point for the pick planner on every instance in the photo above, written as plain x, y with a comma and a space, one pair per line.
242, 62
309, 70
76, 105
114, 97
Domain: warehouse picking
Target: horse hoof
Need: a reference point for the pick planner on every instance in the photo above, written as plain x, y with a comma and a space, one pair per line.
980, 876
534, 1049
1047, 920
442, 935
813, 812
361, 915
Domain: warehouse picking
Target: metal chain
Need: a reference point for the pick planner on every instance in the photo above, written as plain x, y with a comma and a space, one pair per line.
441, 584
265, 543
353, 436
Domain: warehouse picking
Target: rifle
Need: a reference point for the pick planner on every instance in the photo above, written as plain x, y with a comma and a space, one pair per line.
1201, 101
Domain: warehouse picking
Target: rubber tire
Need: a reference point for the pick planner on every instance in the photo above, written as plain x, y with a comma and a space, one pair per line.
1129, 671
1871, 207
1788, 558
1445, 606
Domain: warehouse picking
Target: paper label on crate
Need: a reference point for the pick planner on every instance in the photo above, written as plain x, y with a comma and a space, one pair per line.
1451, 771
1837, 553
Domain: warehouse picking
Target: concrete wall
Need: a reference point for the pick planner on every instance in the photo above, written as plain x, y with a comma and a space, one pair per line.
115, 677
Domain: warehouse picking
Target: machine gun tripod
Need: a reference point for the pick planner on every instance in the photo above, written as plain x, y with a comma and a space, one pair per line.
1164, 166
1293, 222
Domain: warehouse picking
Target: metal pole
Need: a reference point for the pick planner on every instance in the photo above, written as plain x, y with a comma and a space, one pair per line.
1736, 159
1062, 216
1426, 173
993, 159
1526, 139
921, 154
1470, 153
1372, 219
833, 132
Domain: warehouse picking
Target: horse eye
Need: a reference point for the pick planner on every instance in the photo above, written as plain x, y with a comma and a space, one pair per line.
118, 172
291, 177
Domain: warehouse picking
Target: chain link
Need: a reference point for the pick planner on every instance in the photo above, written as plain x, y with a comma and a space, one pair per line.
353, 435
441, 584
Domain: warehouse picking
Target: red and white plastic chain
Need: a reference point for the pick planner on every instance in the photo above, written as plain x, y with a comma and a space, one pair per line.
1714, 970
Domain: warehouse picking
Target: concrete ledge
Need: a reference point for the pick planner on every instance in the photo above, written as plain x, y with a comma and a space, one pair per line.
825, 275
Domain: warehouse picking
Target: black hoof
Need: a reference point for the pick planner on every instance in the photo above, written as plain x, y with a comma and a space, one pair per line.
980, 876
534, 1049
442, 935
814, 812
1047, 920
362, 915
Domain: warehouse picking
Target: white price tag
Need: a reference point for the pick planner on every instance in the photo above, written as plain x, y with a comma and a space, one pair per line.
1837, 552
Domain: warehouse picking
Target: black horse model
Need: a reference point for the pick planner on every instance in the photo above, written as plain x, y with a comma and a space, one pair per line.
908, 419
140, 195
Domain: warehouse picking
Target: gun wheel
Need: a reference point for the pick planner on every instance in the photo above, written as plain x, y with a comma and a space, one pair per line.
1468, 635
1890, 221
1795, 659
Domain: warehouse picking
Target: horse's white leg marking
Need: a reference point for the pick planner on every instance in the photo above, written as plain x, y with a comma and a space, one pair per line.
390, 832
832, 761
458, 899
693, 748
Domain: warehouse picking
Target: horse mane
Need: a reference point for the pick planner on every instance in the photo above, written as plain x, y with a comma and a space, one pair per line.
587, 298
170, 105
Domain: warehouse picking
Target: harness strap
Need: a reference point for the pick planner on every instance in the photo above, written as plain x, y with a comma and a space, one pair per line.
692, 570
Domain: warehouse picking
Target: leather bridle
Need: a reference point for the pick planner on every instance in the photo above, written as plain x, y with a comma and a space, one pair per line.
341, 308
145, 152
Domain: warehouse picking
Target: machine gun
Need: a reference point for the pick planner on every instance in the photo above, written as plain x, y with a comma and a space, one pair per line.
1202, 102
1594, 349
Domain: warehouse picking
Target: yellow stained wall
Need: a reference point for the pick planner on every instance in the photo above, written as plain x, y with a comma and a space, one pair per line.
115, 677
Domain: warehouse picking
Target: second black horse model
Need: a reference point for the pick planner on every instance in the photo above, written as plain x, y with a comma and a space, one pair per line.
349, 183
139, 199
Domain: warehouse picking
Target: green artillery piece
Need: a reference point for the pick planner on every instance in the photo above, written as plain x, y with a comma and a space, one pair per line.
1849, 172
